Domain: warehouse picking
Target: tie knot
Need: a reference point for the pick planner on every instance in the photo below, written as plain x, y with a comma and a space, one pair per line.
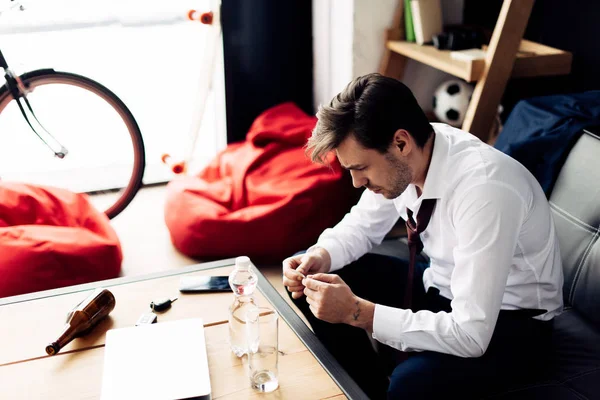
423, 216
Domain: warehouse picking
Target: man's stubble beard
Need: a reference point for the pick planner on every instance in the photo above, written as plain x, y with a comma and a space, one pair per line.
399, 180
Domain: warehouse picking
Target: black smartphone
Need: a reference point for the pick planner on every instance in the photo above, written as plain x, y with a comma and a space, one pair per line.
198, 284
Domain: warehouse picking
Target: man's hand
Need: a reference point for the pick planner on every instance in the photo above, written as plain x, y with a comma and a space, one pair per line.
297, 267
331, 300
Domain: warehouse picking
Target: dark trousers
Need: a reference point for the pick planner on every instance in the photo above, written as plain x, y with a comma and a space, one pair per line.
515, 353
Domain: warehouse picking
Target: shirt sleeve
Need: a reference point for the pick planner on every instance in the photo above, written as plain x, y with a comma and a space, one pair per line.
487, 221
364, 226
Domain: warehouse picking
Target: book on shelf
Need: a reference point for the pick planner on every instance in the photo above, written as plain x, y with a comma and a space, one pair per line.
408, 22
427, 19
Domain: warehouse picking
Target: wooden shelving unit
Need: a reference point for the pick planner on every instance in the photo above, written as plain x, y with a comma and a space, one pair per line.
532, 59
507, 56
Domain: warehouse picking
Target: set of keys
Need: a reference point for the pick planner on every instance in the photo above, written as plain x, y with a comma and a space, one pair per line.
159, 305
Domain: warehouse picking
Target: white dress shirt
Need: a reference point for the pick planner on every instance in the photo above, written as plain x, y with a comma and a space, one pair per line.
491, 243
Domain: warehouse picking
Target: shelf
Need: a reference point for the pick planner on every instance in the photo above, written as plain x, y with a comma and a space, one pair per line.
533, 59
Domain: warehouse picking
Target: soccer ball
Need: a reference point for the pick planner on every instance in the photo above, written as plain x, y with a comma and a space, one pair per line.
451, 100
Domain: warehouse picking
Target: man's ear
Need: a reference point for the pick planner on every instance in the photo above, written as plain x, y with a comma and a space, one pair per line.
402, 141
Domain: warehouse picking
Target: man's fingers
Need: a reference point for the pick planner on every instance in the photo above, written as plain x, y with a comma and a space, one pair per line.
294, 287
292, 274
329, 278
314, 284
303, 269
310, 293
297, 295
291, 282
288, 283
298, 288
300, 275
291, 263
304, 266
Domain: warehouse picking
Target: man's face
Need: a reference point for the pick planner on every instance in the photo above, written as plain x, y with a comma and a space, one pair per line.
386, 174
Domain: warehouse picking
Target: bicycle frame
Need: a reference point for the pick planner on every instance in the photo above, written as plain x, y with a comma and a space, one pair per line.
11, 81
211, 18
16, 89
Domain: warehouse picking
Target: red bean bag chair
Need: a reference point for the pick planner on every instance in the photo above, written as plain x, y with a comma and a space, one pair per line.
51, 238
262, 198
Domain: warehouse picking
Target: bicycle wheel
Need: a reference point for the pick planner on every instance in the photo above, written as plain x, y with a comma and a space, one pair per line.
106, 157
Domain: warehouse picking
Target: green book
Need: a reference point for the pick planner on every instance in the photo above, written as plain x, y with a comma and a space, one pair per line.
408, 22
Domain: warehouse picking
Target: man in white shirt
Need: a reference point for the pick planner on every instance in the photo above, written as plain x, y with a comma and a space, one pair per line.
480, 311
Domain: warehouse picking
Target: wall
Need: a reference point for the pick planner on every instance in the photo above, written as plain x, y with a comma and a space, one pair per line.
349, 42
571, 26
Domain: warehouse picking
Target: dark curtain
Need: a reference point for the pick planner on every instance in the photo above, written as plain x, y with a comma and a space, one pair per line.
268, 58
568, 25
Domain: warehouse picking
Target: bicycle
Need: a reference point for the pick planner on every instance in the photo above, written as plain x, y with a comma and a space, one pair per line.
95, 147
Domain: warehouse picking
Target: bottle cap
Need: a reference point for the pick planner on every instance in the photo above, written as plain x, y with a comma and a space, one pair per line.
242, 261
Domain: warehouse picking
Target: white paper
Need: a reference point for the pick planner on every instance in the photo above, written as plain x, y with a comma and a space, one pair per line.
160, 361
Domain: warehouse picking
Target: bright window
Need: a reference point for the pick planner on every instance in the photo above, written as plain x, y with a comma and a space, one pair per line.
146, 52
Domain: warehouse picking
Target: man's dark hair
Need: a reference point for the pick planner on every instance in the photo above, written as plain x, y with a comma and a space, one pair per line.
372, 108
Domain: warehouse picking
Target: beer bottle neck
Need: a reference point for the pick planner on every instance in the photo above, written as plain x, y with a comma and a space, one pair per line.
75, 326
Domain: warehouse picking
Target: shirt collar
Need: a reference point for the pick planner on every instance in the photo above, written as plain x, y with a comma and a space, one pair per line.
435, 180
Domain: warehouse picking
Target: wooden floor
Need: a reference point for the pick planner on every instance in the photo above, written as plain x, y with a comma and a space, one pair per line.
146, 244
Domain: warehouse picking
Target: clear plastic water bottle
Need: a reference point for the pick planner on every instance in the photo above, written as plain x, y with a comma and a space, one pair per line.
243, 282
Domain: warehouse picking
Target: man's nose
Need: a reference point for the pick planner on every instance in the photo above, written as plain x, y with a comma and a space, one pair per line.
358, 180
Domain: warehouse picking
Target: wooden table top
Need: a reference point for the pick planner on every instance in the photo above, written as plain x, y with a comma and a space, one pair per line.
29, 322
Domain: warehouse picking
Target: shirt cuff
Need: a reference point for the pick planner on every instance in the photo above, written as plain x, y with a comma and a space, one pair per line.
335, 252
388, 324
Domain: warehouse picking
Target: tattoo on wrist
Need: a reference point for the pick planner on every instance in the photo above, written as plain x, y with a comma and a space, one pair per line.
357, 312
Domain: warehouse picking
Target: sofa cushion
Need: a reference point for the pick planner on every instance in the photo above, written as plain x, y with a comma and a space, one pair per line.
575, 353
575, 203
573, 365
